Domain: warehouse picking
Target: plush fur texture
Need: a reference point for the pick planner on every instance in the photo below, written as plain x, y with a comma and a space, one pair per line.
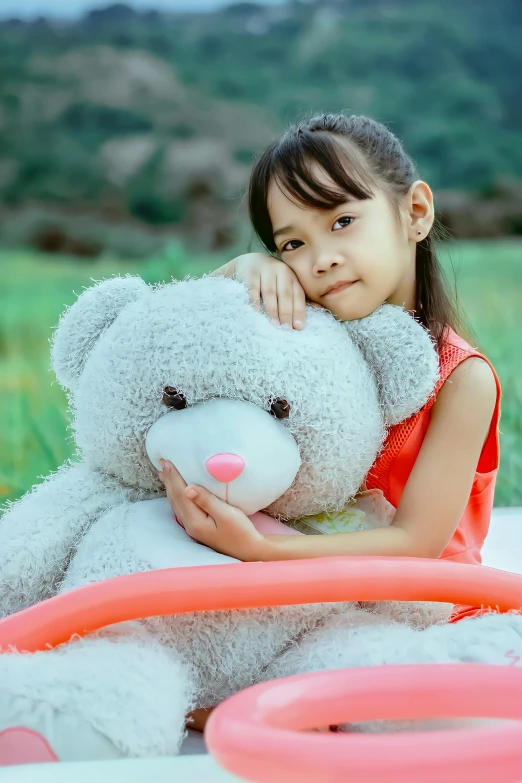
114, 351
38, 533
386, 338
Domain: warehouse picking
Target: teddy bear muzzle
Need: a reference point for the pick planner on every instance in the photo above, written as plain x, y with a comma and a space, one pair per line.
235, 449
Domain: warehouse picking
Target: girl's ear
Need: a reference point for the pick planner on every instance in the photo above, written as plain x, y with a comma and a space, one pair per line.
82, 324
403, 357
421, 211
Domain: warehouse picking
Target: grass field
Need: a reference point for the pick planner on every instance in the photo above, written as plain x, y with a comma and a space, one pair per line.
35, 289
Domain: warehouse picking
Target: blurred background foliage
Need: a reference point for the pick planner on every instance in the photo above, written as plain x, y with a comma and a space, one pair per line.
150, 120
127, 136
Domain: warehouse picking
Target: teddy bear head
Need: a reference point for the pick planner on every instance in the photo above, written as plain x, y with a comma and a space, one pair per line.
265, 417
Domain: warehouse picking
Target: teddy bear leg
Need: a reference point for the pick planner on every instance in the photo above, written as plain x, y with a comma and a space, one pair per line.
493, 638
114, 694
360, 638
353, 638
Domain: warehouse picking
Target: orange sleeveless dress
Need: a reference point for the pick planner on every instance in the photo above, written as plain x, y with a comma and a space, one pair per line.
394, 465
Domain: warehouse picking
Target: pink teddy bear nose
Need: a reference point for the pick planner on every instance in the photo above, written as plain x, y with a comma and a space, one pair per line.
225, 467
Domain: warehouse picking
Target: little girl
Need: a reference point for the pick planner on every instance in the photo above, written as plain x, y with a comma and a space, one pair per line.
347, 226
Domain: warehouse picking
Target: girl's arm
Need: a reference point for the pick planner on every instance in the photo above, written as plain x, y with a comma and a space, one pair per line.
439, 485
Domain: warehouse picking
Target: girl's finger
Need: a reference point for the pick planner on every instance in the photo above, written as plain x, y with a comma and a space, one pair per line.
172, 477
206, 501
269, 296
254, 291
285, 301
299, 301
169, 467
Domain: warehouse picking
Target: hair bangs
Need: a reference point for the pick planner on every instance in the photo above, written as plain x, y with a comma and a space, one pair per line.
299, 178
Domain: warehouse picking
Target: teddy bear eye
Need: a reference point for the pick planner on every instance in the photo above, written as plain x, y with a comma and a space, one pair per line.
173, 398
280, 408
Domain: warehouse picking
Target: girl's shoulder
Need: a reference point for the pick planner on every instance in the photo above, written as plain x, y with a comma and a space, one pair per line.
471, 378
468, 394
459, 359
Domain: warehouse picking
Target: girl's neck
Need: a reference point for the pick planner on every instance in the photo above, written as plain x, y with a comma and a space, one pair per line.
405, 293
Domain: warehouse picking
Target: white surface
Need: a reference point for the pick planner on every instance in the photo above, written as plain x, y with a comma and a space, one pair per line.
503, 547
184, 769
502, 550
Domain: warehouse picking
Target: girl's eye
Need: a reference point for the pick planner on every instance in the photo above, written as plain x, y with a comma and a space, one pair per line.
286, 248
293, 244
343, 224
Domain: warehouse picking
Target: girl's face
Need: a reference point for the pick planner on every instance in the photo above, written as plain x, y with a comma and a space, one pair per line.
349, 259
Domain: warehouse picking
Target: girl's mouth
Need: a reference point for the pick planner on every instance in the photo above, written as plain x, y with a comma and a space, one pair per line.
336, 288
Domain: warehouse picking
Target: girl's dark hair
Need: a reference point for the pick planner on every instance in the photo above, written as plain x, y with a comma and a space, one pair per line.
371, 156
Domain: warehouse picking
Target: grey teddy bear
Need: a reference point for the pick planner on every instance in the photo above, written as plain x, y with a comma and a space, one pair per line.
120, 351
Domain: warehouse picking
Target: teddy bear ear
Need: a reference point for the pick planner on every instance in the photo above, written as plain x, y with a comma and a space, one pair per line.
84, 322
403, 358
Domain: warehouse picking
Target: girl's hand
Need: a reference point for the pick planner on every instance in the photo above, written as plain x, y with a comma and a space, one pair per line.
272, 281
210, 520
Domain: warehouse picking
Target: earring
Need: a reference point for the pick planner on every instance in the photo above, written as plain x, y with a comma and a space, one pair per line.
419, 232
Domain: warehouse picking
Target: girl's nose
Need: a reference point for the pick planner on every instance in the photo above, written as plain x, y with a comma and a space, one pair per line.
225, 467
326, 262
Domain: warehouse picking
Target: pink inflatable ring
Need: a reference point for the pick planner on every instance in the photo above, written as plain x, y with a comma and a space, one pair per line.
257, 734
249, 585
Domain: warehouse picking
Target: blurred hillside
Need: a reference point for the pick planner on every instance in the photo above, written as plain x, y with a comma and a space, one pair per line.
125, 129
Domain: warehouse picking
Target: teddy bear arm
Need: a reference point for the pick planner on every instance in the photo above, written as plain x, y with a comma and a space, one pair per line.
402, 356
38, 532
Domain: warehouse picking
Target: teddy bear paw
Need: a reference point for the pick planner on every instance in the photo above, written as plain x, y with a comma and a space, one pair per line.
19, 745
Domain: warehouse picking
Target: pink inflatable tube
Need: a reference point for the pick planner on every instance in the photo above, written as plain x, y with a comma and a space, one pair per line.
248, 585
256, 733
